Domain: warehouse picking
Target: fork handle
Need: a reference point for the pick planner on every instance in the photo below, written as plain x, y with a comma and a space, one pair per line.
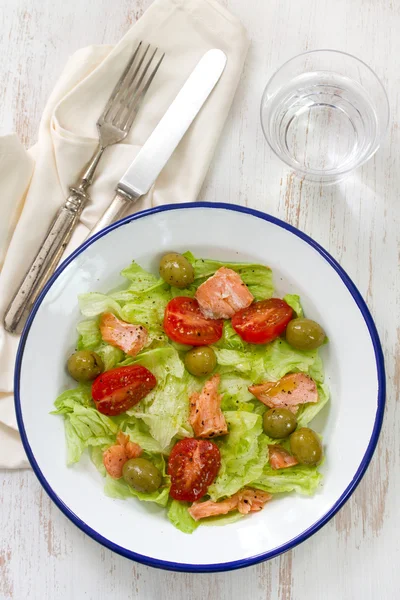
122, 200
45, 261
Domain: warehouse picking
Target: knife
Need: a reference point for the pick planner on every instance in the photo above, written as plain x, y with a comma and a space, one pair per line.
162, 142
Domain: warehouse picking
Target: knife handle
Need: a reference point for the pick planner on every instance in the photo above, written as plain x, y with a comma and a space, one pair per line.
45, 261
116, 210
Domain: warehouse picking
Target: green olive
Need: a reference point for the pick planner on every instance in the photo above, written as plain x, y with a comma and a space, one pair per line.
304, 334
279, 422
85, 365
200, 361
306, 446
176, 270
142, 475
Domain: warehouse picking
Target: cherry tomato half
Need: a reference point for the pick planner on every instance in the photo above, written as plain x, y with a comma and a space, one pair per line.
185, 324
262, 322
192, 465
116, 391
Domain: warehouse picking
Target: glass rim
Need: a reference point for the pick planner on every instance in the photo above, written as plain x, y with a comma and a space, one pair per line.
329, 173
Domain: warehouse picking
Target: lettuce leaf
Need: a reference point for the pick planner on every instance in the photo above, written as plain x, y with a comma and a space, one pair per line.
110, 356
144, 301
94, 304
148, 310
165, 410
96, 456
258, 278
243, 454
270, 361
161, 362
139, 433
238, 361
84, 425
294, 302
280, 359
230, 339
231, 517
89, 335
308, 412
180, 517
302, 479
250, 362
118, 488
235, 393
141, 281
75, 444
316, 369
90, 339
66, 400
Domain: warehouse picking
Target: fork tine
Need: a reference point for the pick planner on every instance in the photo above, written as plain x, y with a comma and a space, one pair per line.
115, 107
130, 76
120, 81
132, 109
126, 99
146, 68
132, 79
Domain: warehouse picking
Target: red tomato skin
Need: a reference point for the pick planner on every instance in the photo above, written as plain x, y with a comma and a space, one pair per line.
117, 390
262, 322
184, 323
193, 466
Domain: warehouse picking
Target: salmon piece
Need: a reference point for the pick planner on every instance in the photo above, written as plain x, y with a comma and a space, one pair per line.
279, 458
114, 459
133, 450
205, 415
251, 500
116, 456
129, 338
288, 392
223, 295
245, 501
202, 510
122, 438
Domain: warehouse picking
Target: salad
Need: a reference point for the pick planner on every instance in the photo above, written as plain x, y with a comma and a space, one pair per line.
194, 390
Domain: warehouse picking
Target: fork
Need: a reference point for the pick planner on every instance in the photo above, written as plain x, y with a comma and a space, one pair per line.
113, 126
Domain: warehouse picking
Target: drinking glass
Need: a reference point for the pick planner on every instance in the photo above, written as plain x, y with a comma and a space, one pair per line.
324, 113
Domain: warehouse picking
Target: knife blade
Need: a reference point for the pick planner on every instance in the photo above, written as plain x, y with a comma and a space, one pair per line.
162, 142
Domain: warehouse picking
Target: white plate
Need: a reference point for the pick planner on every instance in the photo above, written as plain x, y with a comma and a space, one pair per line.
353, 359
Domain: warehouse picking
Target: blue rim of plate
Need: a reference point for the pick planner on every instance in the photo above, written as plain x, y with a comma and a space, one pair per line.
204, 568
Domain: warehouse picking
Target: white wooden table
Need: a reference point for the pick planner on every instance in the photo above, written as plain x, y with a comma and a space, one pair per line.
357, 555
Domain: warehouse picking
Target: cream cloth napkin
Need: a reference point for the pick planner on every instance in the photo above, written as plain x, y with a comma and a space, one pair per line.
39, 180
